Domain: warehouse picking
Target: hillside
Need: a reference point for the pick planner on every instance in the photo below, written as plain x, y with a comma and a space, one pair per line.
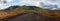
14, 11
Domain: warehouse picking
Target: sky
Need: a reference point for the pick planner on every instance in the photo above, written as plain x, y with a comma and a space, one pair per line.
29, 3
19, 2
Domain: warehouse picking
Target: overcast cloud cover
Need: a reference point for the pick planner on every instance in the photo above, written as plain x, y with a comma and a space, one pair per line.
29, 3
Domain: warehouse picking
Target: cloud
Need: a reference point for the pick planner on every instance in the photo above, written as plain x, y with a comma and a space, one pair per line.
8, 0
31, 2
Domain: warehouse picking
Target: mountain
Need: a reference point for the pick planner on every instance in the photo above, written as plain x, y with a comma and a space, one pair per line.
28, 10
21, 7
10, 8
16, 10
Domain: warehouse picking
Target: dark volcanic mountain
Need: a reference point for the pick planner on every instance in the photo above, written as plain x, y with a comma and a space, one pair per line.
12, 7
23, 7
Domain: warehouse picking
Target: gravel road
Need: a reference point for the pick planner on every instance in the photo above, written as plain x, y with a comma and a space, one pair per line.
28, 17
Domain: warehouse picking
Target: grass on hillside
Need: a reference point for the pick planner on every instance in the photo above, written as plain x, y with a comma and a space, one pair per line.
25, 9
